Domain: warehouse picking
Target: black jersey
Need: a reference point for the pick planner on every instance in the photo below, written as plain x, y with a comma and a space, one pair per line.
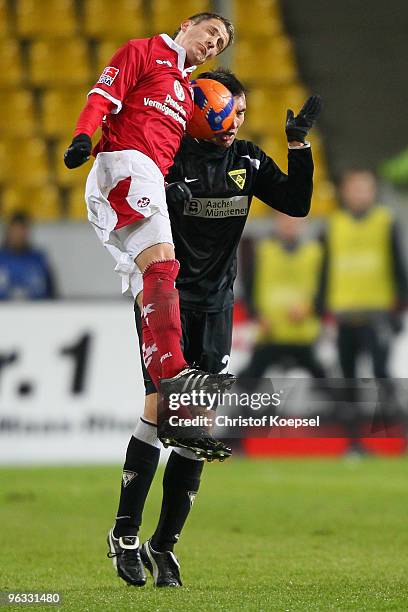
207, 231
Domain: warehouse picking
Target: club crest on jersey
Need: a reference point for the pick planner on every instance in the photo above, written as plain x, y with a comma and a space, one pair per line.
179, 91
239, 177
108, 75
143, 202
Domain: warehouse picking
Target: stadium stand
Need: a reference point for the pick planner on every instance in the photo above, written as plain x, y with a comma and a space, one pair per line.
4, 19
121, 19
60, 63
45, 18
166, 14
26, 162
60, 110
40, 203
11, 75
17, 117
76, 209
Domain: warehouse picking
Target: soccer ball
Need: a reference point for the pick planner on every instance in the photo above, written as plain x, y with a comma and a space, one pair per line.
214, 109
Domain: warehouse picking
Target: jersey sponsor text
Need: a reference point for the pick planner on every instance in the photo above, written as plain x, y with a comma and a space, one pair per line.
212, 208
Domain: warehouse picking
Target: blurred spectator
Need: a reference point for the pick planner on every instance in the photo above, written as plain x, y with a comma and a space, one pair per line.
364, 284
25, 273
282, 290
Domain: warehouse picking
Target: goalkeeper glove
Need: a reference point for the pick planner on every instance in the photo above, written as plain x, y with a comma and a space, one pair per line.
78, 151
178, 194
298, 127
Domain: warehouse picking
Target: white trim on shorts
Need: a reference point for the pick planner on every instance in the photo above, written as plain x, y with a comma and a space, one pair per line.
126, 243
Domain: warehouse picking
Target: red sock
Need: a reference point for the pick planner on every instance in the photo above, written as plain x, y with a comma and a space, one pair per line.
162, 312
152, 363
151, 355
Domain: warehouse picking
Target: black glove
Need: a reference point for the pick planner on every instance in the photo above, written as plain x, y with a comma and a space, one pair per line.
298, 127
178, 194
78, 152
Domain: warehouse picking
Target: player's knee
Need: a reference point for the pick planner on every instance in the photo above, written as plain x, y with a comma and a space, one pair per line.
161, 276
156, 253
150, 408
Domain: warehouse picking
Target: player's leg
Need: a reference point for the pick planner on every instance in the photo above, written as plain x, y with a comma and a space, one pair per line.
161, 311
306, 358
262, 357
207, 340
378, 337
141, 462
349, 345
181, 482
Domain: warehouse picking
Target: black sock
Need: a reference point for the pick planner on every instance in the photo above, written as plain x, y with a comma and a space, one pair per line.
180, 485
140, 466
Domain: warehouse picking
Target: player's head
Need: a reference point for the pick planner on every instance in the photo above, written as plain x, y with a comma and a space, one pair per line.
204, 36
358, 189
17, 232
289, 229
228, 78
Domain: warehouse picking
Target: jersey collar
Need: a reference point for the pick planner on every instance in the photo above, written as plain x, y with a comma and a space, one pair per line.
181, 52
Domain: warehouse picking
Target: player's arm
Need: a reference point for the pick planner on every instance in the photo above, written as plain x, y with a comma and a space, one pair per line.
105, 97
291, 193
89, 120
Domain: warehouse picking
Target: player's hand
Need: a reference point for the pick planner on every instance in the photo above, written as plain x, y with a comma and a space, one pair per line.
78, 152
298, 127
178, 194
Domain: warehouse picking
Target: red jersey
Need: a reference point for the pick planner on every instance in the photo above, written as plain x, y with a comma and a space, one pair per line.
148, 84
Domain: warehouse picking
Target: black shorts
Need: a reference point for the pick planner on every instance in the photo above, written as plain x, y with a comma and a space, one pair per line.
206, 342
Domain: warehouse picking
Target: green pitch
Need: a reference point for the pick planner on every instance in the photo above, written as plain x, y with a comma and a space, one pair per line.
266, 535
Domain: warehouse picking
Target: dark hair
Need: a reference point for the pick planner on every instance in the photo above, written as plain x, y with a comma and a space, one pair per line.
20, 217
352, 170
198, 17
227, 78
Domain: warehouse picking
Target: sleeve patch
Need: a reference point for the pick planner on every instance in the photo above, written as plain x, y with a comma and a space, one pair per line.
108, 75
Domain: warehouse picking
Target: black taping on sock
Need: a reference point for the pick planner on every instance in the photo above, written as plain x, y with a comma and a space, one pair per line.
181, 482
138, 472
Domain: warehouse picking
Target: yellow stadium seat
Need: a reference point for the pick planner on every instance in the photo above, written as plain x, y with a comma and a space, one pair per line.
60, 111
41, 203
26, 162
59, 63
277, 148
258, 17
66, 177
167, 15
10, 74
293, 96
45, 18
264, 111
2, 160
17, 113
104, 52
259, 209
76, 205
278, 65
4, 19
119, 19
